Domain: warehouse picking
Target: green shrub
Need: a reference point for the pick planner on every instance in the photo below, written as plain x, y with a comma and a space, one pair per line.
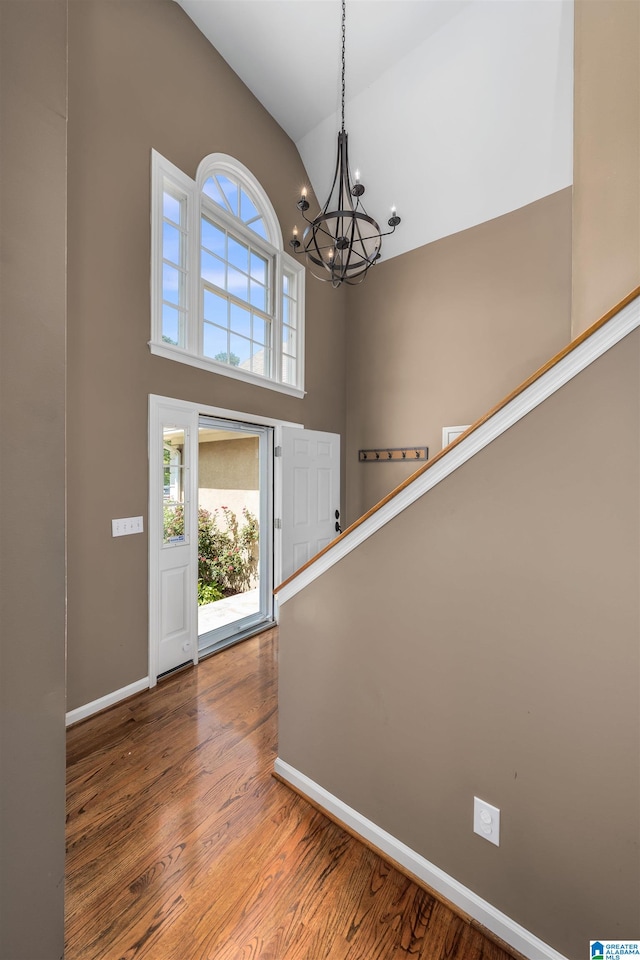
227, 558
208, 593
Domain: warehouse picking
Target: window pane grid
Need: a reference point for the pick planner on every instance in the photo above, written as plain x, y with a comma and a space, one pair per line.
174, 321
289, 343
234, 333
235, 281
173, 268
173, 207
227, 193
246, 271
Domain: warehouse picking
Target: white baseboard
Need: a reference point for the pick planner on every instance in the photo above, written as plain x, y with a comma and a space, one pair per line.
466, 900
81, 713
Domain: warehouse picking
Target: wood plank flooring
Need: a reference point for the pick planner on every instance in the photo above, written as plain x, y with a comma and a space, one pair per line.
182, 846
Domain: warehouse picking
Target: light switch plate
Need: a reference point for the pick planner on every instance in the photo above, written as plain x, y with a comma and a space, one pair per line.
126, 525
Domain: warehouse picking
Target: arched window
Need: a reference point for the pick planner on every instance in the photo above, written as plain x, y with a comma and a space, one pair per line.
225, 295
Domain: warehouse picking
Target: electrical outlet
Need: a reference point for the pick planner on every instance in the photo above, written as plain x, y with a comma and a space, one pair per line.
486, 821
126, 526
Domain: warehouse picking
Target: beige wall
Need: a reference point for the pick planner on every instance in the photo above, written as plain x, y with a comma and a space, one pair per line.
606, 209
32, 441
141, 76
228, 474
485, 642
438, 336
229, 464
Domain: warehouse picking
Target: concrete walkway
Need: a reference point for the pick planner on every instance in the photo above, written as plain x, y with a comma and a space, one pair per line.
218, 614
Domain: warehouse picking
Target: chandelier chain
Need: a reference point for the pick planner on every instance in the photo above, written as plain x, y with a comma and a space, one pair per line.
344, 19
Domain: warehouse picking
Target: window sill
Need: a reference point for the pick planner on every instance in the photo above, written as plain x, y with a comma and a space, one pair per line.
212, 366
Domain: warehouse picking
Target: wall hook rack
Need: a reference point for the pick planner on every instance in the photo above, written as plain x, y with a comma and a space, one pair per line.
393, 454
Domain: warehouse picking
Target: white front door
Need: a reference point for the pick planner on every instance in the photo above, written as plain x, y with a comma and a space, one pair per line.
310, 494
173, 540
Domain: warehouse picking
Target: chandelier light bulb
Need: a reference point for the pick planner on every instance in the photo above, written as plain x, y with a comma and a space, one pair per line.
303, 203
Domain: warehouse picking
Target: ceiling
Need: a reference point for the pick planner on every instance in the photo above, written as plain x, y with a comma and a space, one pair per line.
295, 74
457, 110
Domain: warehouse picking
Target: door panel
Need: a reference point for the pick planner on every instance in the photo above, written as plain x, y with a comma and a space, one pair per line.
300, 504
173, 586
310, 494
325, 495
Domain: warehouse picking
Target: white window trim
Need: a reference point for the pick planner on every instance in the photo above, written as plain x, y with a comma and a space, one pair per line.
162, 170
170, 352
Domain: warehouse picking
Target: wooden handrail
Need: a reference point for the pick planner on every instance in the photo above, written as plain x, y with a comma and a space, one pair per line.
474, 426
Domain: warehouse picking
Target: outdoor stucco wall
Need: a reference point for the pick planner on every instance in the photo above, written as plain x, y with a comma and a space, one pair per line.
485, 642
229, 464
228, 476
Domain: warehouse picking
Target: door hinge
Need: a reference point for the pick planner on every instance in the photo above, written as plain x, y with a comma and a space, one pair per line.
277, 452
277, 524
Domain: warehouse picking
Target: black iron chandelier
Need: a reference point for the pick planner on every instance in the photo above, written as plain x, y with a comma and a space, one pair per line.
343, 241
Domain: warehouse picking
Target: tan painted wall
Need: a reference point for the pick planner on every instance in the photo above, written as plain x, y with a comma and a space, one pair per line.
140, 76
32, 551
606, 209
438, 336
486, 642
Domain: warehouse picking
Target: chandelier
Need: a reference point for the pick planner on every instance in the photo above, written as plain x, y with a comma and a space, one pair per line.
343, 241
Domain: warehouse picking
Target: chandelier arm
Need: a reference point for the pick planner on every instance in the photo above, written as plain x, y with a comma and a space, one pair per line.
388, 233
336, 179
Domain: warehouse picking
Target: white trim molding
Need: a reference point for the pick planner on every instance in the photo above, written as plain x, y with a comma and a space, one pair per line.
170, 352
102, 703
449, 434
428, 873
569, 366
283, 308
223, 413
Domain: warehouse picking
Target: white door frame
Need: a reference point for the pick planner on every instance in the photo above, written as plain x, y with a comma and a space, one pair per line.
228, 633
159, 406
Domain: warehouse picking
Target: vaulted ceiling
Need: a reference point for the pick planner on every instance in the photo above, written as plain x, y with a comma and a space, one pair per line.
457, 110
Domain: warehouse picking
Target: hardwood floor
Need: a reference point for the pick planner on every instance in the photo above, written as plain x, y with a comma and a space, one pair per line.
182, 846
